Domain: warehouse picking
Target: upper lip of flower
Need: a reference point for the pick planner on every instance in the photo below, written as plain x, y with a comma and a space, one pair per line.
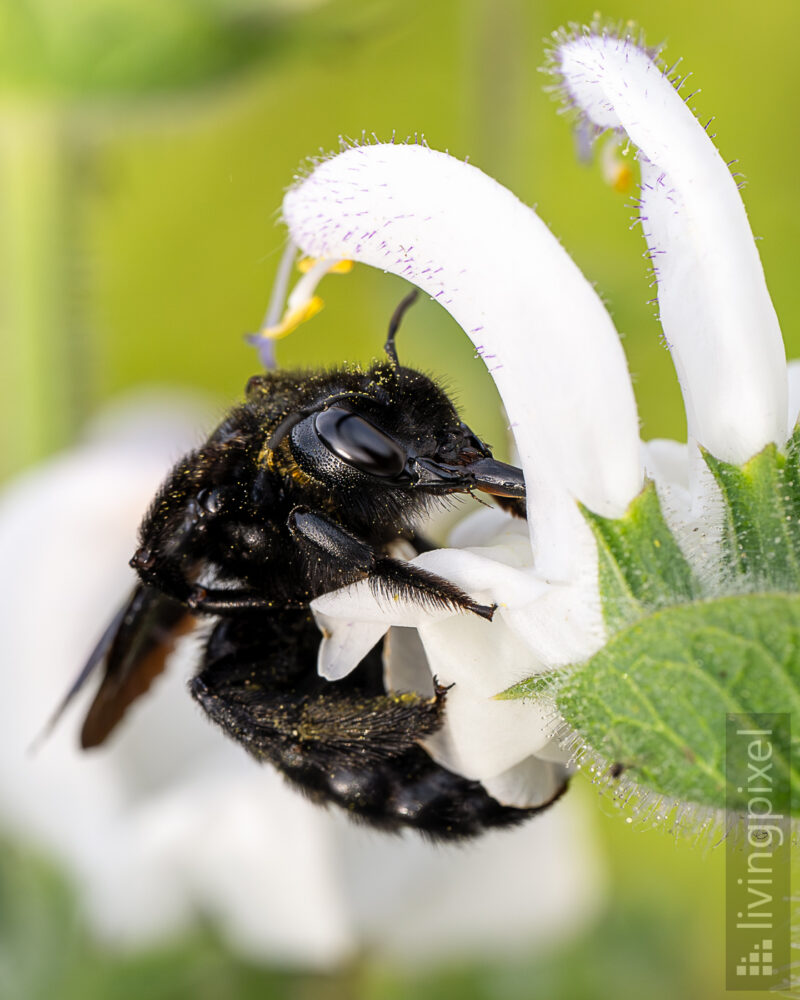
492, 264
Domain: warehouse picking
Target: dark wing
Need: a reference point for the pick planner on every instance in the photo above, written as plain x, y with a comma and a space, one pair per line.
133, 651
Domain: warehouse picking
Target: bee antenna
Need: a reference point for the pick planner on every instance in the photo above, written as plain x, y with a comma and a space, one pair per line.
394, 324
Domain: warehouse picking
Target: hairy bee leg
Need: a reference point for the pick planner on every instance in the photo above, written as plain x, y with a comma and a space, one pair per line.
268, 696
348, 743
515, 506
349, 559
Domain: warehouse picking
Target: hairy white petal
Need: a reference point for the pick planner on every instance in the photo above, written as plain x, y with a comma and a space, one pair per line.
666, 462
565, 625
695, 517
486, 657
538, 324
347, 637
488, 526
352, 619
406, 667
716, 312
553, 624
532, 782
481, 738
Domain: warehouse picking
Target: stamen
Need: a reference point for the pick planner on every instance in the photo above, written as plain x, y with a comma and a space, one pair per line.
617, 172
281, 286
266, 348
302, 303
292, 318
305, 264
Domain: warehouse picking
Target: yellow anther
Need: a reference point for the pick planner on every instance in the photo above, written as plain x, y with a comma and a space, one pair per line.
617, 172
305, 264
623, 178
292, 318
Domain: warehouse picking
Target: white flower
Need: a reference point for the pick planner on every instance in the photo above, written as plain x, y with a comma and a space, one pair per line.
555, 356
170, 821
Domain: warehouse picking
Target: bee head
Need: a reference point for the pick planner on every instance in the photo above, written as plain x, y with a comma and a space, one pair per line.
395, 429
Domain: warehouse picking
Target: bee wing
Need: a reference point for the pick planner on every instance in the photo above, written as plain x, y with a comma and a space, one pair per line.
133, 651
134, 654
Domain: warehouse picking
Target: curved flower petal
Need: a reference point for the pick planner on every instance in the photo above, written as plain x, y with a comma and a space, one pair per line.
532, 782
492, 263
352, 619
405, 663
486, 657
666, 461
715, 309
487, 526
479, 737
555, 624
349, 636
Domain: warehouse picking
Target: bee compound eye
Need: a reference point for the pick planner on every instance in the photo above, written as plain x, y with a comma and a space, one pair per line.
357, 441
210, 500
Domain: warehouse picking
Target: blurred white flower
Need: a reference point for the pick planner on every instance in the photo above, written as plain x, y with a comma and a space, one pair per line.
558, 364
169, 820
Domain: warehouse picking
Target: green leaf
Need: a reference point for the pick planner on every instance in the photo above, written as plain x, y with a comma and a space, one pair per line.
655, 700
656, 697
762, 518
641, 568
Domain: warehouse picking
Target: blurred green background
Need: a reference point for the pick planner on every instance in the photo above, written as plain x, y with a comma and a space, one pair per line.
144, 149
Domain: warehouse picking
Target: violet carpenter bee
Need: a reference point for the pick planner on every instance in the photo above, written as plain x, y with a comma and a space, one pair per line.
303, 488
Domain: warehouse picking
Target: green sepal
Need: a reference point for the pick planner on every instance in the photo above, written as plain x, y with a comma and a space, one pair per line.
640, 566
655, 699
679, 660
761, 502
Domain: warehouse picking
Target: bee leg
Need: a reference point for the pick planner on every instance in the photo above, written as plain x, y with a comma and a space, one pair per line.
288, 724
351, 743
220, 601
515, 506
168, 578
259, 683
335, 557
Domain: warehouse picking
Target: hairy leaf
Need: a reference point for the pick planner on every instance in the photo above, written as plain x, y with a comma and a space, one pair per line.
655, 699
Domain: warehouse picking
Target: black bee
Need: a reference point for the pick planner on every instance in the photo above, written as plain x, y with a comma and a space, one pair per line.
302, 489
